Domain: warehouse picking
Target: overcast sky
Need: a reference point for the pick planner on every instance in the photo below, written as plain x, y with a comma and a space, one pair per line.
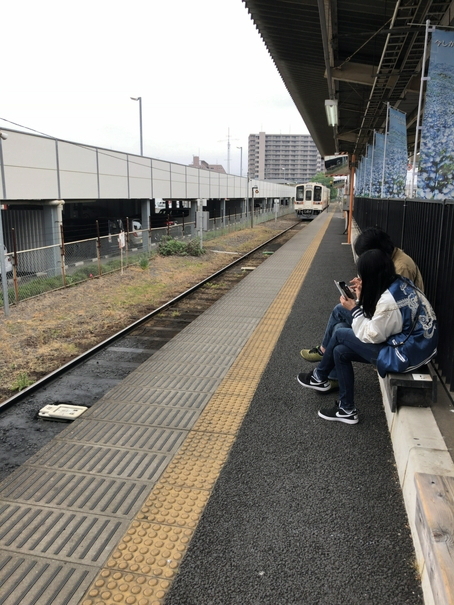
201, 68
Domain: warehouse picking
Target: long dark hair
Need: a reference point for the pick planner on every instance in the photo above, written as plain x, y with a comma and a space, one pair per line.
377, 272
371, 238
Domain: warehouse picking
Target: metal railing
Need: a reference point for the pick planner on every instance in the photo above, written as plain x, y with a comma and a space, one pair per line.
424, 229
40, 270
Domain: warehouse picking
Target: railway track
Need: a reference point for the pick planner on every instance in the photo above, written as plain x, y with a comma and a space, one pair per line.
87, 378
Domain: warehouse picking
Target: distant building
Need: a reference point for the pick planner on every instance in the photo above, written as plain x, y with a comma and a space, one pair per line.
198, 163
282, 158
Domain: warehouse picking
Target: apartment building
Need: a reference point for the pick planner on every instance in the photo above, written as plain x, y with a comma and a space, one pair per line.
292, 158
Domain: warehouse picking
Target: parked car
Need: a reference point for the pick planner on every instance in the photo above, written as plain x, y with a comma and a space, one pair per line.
135, 235
8, 261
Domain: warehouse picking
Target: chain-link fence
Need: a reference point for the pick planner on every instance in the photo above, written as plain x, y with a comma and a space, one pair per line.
39, 270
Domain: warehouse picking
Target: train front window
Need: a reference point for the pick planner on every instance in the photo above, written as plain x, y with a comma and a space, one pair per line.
317, 194
300, 193
308, 195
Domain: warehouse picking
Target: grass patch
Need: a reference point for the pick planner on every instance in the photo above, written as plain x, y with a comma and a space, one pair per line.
169, 246
21, 382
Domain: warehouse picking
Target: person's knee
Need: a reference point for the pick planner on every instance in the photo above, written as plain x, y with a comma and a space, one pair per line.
342, 333
339, 326
342, 354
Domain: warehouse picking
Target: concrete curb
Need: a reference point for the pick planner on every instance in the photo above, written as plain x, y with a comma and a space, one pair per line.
418, 447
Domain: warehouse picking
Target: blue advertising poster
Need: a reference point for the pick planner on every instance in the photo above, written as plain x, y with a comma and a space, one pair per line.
377, 168
396, 159
359, 179
368, 170
436, 166
366, 176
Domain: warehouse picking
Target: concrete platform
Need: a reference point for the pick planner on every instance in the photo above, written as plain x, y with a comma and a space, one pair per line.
206, 476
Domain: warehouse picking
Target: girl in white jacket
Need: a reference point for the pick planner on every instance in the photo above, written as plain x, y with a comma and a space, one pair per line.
376, 315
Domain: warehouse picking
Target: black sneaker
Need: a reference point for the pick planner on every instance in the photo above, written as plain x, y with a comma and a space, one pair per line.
339, 414
309, 380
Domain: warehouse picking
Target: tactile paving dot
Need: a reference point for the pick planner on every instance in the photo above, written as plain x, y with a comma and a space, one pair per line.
151, 549
115, 587
203, 445
217, 422
179, 506
187, 471
226, 403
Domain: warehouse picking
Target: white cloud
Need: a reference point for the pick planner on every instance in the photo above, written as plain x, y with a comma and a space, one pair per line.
201, 69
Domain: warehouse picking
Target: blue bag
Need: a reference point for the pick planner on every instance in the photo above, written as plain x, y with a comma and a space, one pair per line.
412, 348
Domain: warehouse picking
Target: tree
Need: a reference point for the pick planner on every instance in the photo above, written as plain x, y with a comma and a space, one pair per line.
328, 181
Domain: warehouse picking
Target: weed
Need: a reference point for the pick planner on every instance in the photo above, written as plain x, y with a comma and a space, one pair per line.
144, 261
211, 286
21, 382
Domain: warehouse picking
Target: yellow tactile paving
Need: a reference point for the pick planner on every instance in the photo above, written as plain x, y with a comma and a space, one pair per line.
152, 549
207, 445
141, 569
179, 506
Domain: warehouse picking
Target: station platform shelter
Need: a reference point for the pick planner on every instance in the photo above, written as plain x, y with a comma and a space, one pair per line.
206, 477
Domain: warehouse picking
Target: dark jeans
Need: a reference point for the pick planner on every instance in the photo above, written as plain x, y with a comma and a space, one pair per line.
339, 318
343, 348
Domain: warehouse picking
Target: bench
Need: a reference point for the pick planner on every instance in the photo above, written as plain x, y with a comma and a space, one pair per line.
435, 525
418, 388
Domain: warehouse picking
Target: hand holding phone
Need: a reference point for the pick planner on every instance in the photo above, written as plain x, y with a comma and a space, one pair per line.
344, 290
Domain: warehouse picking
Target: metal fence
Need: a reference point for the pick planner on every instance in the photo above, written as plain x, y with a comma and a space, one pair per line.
424, 229
48, 268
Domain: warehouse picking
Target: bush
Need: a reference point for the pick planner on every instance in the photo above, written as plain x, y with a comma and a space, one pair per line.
169, 246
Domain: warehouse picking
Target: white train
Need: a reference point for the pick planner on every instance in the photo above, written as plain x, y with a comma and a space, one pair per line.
311, 199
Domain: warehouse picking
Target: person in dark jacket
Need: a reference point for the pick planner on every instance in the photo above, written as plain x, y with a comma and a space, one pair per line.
386, 304
369, 239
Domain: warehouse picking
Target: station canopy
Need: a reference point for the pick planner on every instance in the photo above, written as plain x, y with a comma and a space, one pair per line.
362, 53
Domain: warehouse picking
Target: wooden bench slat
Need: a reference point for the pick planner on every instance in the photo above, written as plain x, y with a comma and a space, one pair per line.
435, 526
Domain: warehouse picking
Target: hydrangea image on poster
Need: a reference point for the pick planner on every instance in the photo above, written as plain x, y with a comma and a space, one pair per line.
436, 166
377, 166
396, 155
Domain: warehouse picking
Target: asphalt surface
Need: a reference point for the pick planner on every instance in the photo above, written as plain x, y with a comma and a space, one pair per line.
305, 511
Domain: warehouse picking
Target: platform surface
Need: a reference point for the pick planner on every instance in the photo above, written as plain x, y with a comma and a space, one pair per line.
206, 476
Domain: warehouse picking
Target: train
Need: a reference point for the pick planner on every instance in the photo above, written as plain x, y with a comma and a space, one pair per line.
311, 199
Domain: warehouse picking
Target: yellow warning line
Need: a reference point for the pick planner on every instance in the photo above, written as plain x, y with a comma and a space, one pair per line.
140, 570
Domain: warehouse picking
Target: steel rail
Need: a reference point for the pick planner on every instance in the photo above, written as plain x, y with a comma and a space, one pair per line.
97, 348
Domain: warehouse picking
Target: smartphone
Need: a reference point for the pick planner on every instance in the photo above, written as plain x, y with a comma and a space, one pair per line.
345, 290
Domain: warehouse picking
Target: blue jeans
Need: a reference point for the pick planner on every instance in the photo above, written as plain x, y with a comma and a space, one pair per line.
343, 348
339, 318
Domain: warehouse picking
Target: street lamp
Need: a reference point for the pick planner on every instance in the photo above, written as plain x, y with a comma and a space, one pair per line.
140, 114
284, 172
241, 161
254, 190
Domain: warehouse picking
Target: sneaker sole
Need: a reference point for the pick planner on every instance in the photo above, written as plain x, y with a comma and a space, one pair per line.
339, 419
320, 388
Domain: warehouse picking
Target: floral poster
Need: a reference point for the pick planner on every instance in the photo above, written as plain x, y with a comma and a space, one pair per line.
436, 166
396, 159
377, 166
359, 180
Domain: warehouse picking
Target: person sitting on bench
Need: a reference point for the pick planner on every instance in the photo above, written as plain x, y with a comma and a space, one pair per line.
386, 304
369, 239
